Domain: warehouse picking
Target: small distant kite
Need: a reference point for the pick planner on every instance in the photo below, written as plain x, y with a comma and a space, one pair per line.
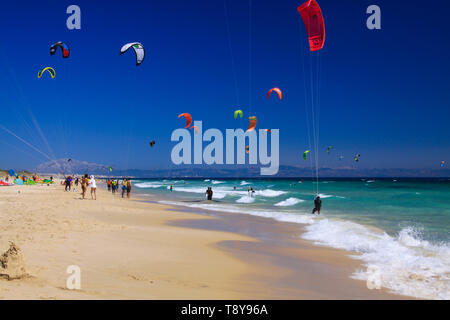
357, 157
247, 149
277, 90
442, 163
305, 154
110, 169
69, 160
267, 130
138, 50
252, 124
195, 129
49, 69
152, 143
329, 149
341, 157
64, 48
238, 113
188, 119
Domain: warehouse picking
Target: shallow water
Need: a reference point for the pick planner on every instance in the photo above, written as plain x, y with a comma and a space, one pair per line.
399, 227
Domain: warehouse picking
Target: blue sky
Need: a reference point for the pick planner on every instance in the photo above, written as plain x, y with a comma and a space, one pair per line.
384, 94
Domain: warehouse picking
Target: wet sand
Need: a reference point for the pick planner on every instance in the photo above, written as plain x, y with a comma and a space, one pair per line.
132, 249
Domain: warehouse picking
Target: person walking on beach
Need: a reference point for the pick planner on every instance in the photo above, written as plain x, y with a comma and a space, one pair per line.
84, 185
108, 183
317, 205
124, 186
128, 188
75, 184
68, 183
93, 186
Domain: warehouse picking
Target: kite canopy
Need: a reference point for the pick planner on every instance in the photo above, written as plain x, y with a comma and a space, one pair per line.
49, 69
442, 163
12, 173
329, 149
238, 113
64, 48
188, 119
152, 143
252, 124
314, 23
357, 157
195, 129
138, 49
247, 149
268, 130
110, 169
277, 90
305, 154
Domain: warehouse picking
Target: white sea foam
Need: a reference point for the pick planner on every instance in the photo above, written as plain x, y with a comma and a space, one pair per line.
246, 199
269, 193
295, 217
145, 185
243, 183
217, 182
324, 196
288, 202
406, 264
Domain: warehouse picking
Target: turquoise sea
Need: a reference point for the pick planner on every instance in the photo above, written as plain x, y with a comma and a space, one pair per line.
399, 227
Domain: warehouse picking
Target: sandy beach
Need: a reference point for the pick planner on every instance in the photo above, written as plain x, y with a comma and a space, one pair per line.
134, 249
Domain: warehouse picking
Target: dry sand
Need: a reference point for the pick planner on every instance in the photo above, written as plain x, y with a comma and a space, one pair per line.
130, 249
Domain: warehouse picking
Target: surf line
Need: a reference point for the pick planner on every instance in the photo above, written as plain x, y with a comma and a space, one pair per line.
213, 153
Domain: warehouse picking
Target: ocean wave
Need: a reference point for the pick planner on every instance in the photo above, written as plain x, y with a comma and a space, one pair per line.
301, 218
145, 185
269, 193
405, 264
246, 199
243, 183
217, 182
288, 202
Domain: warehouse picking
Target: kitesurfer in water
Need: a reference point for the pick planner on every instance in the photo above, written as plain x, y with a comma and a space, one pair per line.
317, 205
209, 193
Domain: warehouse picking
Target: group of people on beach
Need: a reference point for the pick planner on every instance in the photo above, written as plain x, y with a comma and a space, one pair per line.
114, 185
85, 182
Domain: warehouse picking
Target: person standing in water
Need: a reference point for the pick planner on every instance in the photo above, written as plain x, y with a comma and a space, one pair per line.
209, 193
317, 205
171, 187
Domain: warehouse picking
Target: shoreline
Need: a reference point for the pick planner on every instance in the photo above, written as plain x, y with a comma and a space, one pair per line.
131, 249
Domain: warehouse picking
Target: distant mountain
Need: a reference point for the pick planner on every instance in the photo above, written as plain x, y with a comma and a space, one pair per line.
72, 166
197, 171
